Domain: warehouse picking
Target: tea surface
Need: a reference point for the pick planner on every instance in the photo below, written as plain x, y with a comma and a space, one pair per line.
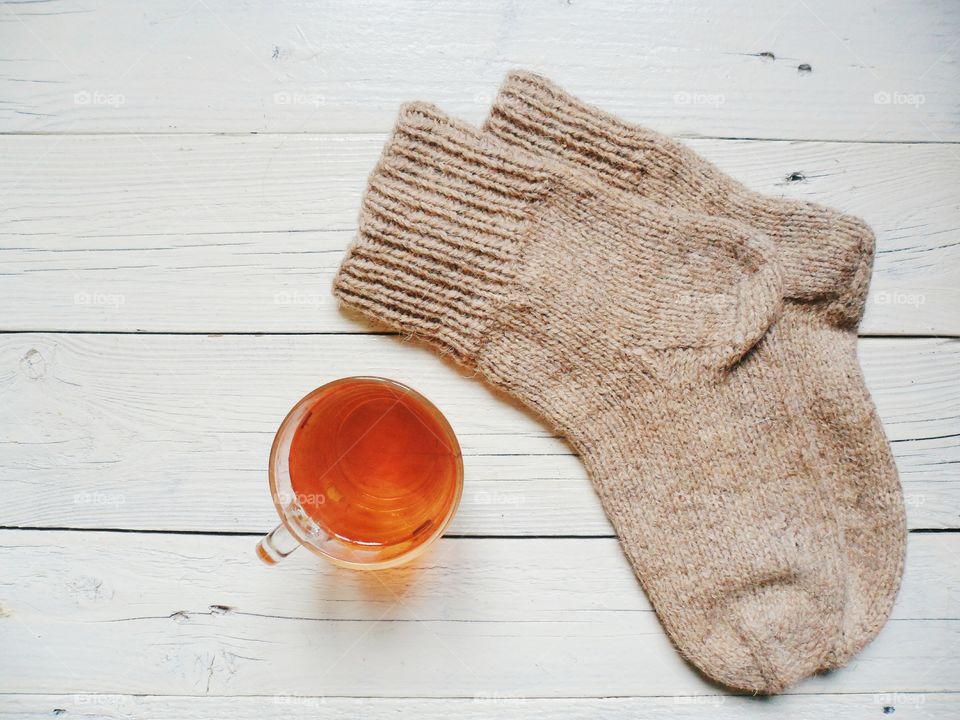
373, 465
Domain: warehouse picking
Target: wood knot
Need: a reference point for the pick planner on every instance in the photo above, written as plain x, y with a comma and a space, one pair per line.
33, 364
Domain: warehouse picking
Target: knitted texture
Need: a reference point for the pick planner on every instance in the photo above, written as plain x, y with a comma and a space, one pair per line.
826, 256
631, 329
826, 259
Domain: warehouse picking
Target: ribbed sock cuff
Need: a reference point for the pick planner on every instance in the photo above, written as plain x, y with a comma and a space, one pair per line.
532, 113
440, 229
827, 256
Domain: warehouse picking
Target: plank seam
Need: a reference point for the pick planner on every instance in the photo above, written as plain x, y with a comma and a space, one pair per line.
384, 133
256, 534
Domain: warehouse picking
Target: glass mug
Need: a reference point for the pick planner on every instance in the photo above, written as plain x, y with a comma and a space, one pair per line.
365, 472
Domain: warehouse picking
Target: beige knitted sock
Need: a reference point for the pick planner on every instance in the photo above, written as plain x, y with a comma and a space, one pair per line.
826, 258
625, 325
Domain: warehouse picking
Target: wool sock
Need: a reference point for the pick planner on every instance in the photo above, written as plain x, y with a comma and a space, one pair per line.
629, 328
826, 259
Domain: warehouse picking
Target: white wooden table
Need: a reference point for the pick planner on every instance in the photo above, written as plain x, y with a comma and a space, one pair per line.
177, 185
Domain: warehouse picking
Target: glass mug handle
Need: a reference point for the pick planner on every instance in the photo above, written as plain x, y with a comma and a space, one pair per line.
276, 545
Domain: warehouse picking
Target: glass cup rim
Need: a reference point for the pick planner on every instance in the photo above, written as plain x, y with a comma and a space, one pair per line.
445, 427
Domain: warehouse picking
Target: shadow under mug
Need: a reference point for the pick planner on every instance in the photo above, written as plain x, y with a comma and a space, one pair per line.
298, 527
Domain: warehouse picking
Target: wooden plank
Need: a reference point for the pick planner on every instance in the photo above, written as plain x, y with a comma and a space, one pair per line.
168, 614
876, 70
912, 706
173, 432
243, 234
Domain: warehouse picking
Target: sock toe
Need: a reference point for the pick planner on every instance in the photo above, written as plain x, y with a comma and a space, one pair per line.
768, 638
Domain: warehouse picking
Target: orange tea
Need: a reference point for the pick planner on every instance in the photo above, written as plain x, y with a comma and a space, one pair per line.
375, 465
